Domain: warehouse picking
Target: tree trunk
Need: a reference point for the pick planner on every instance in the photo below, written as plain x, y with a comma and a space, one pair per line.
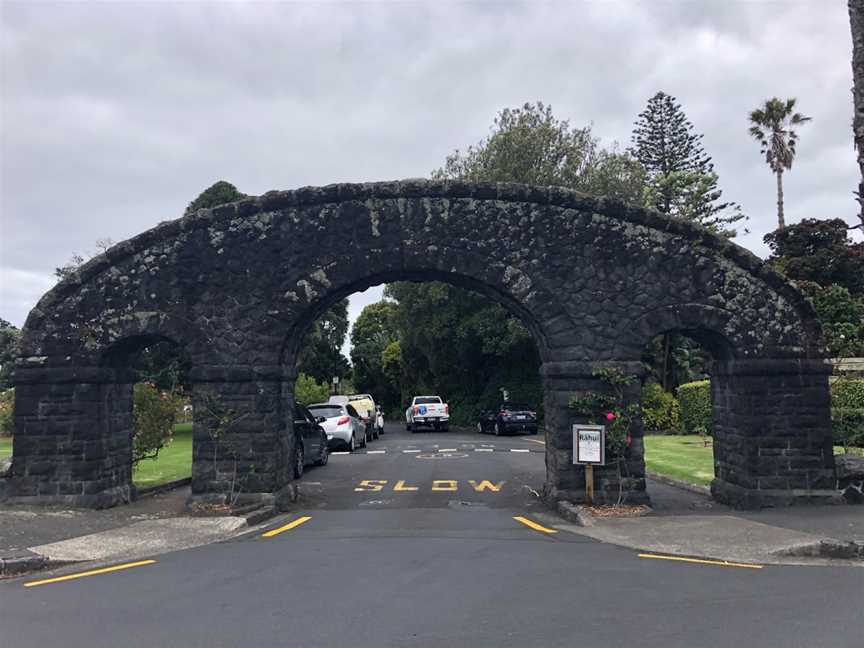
781, 220
856, 21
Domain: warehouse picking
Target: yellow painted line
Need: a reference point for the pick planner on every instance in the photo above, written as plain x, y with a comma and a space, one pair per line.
534, 440
92, 572
287, 527
533, 525
701, 561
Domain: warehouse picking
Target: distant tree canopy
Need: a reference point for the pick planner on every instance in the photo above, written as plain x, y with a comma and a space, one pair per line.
680, 177
321, 349
219, 193
828, 267
372, 333
10, 336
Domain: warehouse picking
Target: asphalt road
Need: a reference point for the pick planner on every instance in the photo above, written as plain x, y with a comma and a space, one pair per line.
417, 545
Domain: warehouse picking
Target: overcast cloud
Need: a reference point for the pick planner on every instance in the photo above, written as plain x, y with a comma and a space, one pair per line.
116, 115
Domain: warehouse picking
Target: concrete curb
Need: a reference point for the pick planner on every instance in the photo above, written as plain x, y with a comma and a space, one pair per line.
22, 564
679, 483
162, 488
575, 514
826, 549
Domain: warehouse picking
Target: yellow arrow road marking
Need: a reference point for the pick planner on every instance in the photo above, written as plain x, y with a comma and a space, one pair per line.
287, 527
533, 525
701, 561
92, 572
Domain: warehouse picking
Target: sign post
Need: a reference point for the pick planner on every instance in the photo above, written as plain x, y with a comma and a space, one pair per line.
589, 450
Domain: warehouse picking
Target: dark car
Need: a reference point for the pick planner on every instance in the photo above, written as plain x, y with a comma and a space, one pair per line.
509, 417
310, 441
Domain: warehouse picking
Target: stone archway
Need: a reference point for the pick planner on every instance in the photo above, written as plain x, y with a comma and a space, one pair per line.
236, 286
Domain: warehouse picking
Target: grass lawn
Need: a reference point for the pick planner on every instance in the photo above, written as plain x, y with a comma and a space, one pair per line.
173, 462
5, 446
686, 457
682, 457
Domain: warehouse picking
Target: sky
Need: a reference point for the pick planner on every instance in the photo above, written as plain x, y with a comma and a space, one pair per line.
115, 115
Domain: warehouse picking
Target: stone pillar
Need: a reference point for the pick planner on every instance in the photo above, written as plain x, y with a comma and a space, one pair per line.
242, 437
73, 435
772, 433
566, 481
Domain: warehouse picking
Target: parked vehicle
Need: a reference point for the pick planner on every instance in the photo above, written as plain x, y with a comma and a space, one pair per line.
365, 406
342, 425
310, 441
509, 417
427, 411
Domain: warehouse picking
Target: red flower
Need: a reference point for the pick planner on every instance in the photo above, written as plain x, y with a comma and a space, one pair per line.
610, 416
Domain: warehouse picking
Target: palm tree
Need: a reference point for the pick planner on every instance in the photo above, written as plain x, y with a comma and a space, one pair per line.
856, 21
771, 126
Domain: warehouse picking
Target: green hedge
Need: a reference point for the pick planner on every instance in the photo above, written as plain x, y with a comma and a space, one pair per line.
694, 399
847, 412
660, 410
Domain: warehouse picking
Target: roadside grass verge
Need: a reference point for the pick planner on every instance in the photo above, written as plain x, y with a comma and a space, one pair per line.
172, 463
685, 457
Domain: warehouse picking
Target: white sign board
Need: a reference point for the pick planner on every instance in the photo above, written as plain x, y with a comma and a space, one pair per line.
589, 444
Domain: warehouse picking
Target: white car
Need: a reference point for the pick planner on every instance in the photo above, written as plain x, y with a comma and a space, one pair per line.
427, 411
342, 425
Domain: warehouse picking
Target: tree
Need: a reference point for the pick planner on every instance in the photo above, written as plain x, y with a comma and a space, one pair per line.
819, 251
371, 334
219, 193
308, 391
856, 22
773, 126
321, 350
841, 315
531, 146
10, 337
680, 177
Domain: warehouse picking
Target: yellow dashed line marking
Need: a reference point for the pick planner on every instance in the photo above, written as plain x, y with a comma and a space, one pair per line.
287, 527
534, 525
92, 572
701, 561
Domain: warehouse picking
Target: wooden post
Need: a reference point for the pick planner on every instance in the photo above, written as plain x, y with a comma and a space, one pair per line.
589, 483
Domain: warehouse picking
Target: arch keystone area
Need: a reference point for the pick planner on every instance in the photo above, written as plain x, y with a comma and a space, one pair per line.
236, 286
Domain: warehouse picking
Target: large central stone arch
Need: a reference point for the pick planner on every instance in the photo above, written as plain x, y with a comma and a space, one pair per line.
236, 287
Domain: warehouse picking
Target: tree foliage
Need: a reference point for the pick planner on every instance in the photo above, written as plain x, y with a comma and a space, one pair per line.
531, 146
219, 193
10, 337
680, 177
307, 390
321, 350
371, 335
154, 412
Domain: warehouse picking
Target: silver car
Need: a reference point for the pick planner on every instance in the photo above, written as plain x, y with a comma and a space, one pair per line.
342, 424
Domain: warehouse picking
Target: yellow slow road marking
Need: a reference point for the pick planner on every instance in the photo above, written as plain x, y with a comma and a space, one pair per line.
444, 485
534, 440
486, 484
532, 524
701, 561
92, 572
371, 485
287, 527
400, 486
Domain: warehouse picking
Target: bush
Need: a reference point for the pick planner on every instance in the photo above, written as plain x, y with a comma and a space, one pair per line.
694, 399
847, 412
7, 411
660, 409
307, 391
154, 412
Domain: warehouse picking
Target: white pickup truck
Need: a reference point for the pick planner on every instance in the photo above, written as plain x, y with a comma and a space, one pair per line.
427, 411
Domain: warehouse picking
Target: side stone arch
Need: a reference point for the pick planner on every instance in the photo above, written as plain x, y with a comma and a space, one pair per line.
590, 277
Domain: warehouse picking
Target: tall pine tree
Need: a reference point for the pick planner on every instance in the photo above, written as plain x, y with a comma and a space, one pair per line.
681, 181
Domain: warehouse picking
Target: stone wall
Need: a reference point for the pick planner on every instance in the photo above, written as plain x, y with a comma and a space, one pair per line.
236, 287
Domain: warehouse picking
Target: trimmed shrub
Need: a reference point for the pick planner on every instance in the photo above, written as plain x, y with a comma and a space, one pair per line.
7, 411
847, 412
660, 409
308, 391
694, 399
